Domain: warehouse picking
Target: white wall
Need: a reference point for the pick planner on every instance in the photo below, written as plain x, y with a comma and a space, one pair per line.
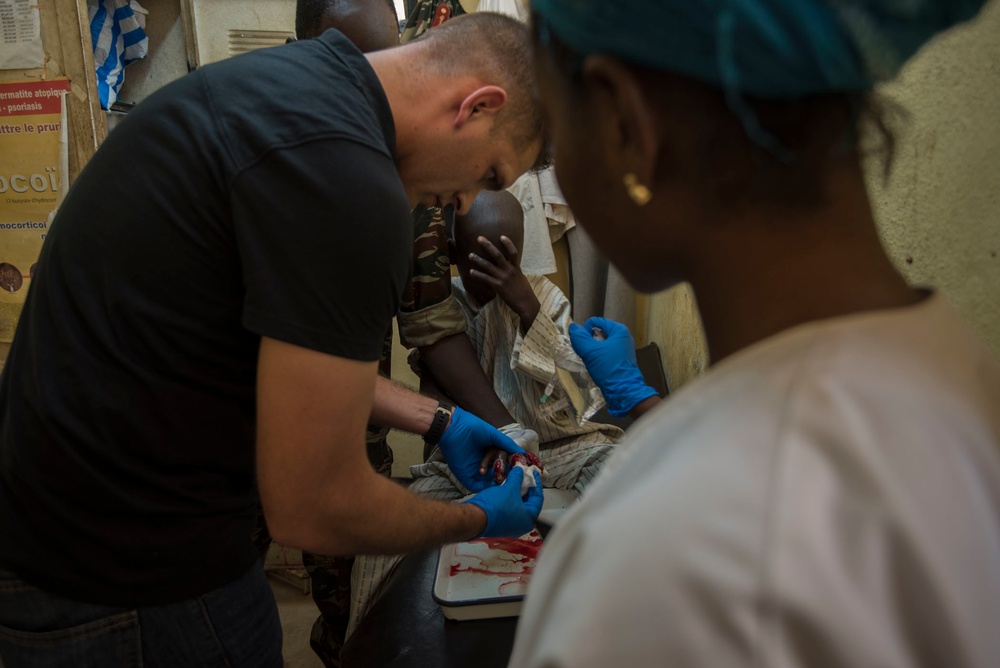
939, 214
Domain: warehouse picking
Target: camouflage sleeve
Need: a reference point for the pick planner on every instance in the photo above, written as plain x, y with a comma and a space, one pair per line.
430, 282
430, 325
429, 312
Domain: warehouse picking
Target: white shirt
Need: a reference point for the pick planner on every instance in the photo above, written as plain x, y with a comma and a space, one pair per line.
827, 497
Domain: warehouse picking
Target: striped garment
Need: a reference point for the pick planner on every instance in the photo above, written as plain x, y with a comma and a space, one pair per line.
520, 367
118, 38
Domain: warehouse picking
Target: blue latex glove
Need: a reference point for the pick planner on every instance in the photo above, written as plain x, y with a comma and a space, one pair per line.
464, 444
611, 363
506, 514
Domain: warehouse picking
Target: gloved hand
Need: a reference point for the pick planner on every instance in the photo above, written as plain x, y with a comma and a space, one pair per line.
506, 514
465, 442
526, 438
611, 363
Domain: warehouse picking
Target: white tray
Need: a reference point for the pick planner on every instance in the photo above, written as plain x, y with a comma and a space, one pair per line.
488, 577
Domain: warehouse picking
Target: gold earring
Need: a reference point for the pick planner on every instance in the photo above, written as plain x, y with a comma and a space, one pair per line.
639, 193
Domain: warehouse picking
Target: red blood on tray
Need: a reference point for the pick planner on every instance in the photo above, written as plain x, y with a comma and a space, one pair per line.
513, 556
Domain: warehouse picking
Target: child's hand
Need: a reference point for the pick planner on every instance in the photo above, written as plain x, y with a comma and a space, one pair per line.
501, 270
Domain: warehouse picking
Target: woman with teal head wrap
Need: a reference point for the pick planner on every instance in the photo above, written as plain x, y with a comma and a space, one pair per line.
770, 49
765, 48
828, 492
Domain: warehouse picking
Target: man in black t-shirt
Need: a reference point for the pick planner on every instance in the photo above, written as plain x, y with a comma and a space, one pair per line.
205, 323
371, 25
427, 305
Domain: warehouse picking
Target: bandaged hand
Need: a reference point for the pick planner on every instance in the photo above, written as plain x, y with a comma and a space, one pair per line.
465, 442
531, 468
497, 459
507, 513
611, 363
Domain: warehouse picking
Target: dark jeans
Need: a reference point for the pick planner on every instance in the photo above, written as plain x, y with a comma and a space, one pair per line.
234, 626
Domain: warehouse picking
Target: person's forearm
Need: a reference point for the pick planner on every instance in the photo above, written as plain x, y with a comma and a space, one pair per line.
455, 366
399, 407
375, 515
644, 407
527, 315
429, 386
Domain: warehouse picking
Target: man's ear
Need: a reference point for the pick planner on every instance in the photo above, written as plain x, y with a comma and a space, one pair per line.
638, 137
484, 100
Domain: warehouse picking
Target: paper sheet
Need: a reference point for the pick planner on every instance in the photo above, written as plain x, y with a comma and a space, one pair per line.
20, 35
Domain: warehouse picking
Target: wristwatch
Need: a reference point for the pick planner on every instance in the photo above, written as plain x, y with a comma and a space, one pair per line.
442, 416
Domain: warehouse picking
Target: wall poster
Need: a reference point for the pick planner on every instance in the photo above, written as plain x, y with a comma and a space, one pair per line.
33, 160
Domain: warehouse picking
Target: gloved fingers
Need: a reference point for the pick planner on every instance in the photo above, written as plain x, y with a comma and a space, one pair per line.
463, 445
581, 332
478, 484
598, 321
594, 332
486, 465
514, 479
534, 498
505, 443
507, 513
612, 328
526, 438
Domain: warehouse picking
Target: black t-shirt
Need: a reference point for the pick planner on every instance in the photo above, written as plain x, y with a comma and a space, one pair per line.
254, 197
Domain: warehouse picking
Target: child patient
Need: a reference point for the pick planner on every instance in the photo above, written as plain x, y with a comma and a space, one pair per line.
515, 322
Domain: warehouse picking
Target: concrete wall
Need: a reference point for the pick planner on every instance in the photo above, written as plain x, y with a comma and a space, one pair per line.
167, 57
939, 211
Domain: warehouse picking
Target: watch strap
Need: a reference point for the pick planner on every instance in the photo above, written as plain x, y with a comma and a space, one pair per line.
442, 416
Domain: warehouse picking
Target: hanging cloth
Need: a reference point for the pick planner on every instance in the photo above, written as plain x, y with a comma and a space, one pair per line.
118, 38
537, 256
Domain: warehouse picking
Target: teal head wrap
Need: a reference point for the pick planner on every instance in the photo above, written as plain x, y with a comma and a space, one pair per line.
775, 49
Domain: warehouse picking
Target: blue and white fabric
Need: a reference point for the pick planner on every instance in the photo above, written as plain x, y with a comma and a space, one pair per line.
118, 38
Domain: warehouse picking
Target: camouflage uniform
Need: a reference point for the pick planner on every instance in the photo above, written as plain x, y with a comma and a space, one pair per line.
429, 311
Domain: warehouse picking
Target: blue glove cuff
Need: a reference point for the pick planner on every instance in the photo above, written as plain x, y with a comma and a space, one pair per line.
625, 399
489, 520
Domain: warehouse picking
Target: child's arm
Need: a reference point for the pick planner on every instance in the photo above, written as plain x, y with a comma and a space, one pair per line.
501, 270
429, 385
